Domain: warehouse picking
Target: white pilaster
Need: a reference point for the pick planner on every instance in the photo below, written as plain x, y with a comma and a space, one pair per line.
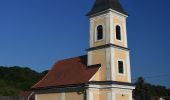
91, 32
128, 67
89, 60
112, 36
125, 33
113, 64
107, 29
130, 96
87, 94
90, 95
109, 96
113, 95
36, 97
63, 96
108, 63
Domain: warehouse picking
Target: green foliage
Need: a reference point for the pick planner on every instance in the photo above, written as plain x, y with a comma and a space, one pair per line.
167, 98
14, 80
142, 91
146, 91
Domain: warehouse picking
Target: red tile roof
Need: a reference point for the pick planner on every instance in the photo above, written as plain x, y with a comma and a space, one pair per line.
68, 72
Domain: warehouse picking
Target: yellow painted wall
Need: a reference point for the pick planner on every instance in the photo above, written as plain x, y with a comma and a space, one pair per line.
99, 57
99, 21
74, 96
50, 96
122, 97
118, 21
100, 90
101, 94
121, 55
57, 96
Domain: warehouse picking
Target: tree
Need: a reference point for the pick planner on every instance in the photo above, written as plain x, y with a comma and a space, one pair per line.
142, 91
14, 80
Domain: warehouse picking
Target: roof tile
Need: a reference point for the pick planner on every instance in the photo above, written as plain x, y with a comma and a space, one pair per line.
68, 72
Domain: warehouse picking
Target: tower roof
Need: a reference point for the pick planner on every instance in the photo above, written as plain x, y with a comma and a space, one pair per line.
102, 5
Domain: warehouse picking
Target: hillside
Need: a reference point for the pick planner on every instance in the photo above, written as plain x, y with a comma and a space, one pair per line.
14, 80
146, 91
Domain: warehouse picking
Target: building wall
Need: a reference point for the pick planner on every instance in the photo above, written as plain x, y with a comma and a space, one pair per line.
108, 57
109, 22
49, 96
109, 94
99, 21
99, 57
74, 96
119, 20
60, 96
100, 96
122, 97
121, 55
95, 93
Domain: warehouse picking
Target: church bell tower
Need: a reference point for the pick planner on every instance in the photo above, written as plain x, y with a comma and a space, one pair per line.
109, 47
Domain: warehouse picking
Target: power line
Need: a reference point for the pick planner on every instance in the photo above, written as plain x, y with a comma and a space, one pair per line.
154, 76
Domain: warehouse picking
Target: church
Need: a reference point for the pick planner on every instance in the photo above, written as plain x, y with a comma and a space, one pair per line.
104, 73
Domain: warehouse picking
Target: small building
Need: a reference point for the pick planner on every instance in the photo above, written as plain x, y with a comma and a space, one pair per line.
104, 73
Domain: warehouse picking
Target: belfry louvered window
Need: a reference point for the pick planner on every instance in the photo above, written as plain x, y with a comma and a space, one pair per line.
99, 32
118, 32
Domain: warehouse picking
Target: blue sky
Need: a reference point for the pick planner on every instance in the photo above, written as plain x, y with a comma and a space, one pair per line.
37, 33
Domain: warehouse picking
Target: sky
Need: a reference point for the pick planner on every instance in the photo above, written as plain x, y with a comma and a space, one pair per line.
38, 33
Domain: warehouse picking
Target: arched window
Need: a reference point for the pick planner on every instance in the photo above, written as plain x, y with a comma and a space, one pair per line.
118, 32
99, 32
